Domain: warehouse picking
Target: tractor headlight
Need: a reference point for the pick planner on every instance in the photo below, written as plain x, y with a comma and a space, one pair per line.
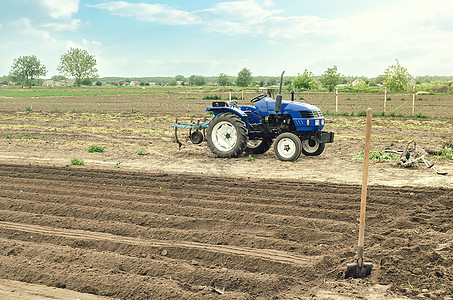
308, 122
322, 122
316, 122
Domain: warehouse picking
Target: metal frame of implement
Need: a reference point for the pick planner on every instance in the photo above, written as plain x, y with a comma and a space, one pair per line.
197, 136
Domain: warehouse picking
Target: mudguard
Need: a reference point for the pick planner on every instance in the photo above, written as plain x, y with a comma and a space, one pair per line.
237, 111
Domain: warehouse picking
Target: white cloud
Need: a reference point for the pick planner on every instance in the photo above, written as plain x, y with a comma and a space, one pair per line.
159, 13
73, 25
24, 26
236, 17
62, 9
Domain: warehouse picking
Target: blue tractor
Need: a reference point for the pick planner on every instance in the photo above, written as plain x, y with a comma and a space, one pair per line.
292, 127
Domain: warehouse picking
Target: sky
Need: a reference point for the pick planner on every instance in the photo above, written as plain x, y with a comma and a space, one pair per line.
138, 38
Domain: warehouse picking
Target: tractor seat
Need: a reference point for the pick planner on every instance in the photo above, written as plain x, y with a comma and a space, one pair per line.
232, 103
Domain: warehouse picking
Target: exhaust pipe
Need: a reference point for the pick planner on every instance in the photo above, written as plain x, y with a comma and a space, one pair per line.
278, 99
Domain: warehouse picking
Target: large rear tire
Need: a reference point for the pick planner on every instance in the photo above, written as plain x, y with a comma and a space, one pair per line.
287, 147
227, 135
311, 147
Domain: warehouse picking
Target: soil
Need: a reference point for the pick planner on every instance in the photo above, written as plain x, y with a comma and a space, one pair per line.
180, 223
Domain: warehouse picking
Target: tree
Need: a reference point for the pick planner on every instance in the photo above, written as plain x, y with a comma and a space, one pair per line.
224, 80
58, 78
27, 68
79, 64
331, 78
180, 78
396, 77
272, 81
197, 80
305, 81
244, 78
5, 79
87, 81
172, 82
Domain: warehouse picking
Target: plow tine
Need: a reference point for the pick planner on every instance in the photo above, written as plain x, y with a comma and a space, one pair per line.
176, 135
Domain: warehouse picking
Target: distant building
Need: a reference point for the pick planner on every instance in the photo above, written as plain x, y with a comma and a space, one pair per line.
356, 82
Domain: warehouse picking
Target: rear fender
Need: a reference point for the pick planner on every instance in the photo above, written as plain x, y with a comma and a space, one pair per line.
238, 112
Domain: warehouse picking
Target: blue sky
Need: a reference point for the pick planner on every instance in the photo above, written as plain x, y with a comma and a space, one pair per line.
167, 38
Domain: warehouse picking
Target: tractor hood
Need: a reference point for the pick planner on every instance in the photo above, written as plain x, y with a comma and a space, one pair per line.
266, 107
306, 117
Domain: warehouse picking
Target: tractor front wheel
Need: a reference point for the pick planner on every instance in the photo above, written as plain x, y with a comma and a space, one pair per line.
226, 135
287, 146
311, 147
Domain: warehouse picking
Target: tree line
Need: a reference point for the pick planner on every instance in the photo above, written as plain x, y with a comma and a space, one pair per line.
80, 65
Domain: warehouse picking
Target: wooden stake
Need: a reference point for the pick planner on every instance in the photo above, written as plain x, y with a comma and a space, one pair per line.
413, 101
336, 100
366, 161
385, 101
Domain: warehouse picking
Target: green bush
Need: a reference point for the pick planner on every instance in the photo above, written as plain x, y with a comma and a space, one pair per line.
361, 113
212, 97
446, 153
142, 152
379, 156
96, 148
77, 162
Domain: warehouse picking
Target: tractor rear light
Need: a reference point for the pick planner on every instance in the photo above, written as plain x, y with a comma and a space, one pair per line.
316, 122
308, 122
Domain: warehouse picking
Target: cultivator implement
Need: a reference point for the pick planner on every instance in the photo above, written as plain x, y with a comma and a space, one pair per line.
197, 130
412, 155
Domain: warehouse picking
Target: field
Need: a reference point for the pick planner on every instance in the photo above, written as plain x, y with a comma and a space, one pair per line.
143, 219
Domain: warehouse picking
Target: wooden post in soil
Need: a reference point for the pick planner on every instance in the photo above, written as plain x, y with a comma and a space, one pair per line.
242, 95
360, 268
385, 100
336, 100
413, 101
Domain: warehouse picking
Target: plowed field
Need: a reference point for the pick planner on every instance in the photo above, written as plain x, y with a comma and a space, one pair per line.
137, 235
146, 220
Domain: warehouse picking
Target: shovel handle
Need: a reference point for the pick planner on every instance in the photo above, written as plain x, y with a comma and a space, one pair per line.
366, 161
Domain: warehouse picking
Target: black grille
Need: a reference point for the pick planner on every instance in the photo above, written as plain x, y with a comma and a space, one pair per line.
307, 114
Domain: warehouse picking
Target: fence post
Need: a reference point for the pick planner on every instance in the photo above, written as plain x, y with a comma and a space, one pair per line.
385, 101
336, 100
230, 95
242, 95
413, 101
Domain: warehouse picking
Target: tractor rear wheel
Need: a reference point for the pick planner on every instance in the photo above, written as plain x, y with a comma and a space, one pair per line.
287, 146
311, 147
227, 135
258, 146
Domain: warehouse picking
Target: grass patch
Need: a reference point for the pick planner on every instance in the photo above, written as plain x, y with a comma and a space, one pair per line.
446, 153
378, 156
77, 162
28, 108
7, 136
212, 97
142, 152
23, 137
250, 159
95, 148
57, 92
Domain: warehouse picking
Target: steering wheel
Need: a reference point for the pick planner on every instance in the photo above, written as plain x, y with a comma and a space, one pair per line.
257, 98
